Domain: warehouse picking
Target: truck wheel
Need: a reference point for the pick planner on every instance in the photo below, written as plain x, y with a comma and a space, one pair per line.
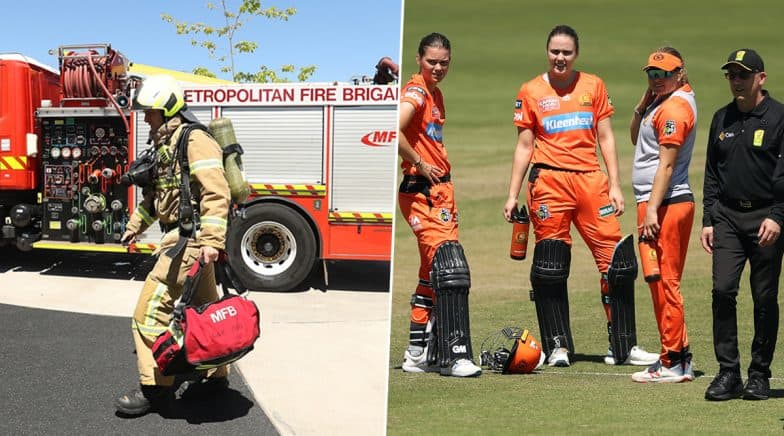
271, 248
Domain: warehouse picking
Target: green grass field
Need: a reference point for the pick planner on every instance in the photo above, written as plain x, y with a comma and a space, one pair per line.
496, 45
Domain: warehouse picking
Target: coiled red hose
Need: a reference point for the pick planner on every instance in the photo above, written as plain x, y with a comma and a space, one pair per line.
82, 79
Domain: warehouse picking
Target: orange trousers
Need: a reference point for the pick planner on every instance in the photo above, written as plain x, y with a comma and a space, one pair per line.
433, 218
558, 198
675, 221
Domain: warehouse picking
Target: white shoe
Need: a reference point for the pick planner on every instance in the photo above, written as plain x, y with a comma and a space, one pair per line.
661, 374
637, 356
559, 357
541, 360
416, 362
462, 368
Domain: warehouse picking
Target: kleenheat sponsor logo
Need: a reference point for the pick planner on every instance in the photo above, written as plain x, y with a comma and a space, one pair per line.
567, 122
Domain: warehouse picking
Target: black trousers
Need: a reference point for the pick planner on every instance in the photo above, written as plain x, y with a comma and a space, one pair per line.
734, 242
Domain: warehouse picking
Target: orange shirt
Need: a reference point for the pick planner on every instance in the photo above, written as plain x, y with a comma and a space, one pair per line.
425, 131
676, 117
564, 121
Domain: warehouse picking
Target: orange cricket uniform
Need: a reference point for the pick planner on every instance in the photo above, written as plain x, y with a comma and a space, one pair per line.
566, 184
430, 210
671, 122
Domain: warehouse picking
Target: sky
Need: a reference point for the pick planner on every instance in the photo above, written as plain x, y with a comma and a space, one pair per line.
342, 38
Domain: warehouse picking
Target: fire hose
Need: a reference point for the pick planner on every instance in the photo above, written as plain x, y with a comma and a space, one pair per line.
108, 94
80, 83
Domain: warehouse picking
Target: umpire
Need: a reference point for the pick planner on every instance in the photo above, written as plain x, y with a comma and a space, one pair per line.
742, 221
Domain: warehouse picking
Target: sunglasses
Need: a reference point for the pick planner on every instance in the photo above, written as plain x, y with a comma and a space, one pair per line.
660, 74
742, 75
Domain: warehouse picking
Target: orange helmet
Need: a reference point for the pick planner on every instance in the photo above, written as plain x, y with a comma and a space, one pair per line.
512, 350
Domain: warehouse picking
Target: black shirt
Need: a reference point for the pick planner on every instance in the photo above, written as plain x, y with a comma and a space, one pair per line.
743, 149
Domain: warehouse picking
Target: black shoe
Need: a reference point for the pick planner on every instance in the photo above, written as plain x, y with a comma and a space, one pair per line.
725, 386
140, 400
757, 388
205, 386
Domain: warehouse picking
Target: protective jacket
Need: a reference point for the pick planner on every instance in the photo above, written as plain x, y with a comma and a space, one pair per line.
207, 183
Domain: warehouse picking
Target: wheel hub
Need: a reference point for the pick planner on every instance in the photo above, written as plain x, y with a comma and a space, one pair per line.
269, 248
269, 245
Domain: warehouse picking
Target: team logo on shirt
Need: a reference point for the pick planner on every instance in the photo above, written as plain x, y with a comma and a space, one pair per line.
567, 122
444, 215
544, 212
586, 100
726, 135
549, 104
435, 112
669, 127
518, 104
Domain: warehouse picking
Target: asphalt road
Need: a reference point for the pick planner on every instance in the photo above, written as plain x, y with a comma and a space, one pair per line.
319, 367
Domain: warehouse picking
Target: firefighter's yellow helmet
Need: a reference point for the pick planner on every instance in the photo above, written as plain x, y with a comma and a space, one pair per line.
159, 92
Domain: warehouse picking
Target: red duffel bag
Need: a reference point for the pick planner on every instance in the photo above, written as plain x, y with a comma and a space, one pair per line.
211, 335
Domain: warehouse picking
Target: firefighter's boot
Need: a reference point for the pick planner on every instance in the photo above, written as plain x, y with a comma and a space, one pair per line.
141, 400
206, 386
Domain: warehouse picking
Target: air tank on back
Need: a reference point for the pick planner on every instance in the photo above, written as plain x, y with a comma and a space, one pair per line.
223, 132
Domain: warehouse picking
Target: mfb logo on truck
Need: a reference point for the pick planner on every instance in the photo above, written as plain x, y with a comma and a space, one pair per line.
380, 138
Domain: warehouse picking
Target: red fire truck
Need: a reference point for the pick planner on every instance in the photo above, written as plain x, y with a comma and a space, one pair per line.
320, 159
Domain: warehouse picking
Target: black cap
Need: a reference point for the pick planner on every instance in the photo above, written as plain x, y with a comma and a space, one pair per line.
747, 59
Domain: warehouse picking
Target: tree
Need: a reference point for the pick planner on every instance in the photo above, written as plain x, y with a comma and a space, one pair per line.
222, 44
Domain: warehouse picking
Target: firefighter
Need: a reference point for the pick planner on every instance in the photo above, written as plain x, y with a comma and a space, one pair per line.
165, 111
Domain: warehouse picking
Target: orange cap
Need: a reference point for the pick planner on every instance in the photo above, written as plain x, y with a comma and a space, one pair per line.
663, 61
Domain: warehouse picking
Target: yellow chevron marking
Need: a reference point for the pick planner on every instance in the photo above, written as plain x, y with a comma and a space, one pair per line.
144, 248
288, 190
360, 217
15, 163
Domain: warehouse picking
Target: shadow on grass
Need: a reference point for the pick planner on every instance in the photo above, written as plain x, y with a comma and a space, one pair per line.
578, 357
777, 393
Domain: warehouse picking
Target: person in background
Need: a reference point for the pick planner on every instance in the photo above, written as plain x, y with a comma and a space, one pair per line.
742, 219
439, 307
663, 130
165, 111
561, 116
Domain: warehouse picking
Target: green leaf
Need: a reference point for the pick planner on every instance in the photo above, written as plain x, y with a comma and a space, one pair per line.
246, 46
202, 71
220, 46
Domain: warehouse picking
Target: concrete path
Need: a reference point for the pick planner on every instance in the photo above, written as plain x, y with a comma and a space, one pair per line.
320, 366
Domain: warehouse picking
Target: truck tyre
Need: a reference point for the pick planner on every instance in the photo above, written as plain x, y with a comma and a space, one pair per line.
271, 248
